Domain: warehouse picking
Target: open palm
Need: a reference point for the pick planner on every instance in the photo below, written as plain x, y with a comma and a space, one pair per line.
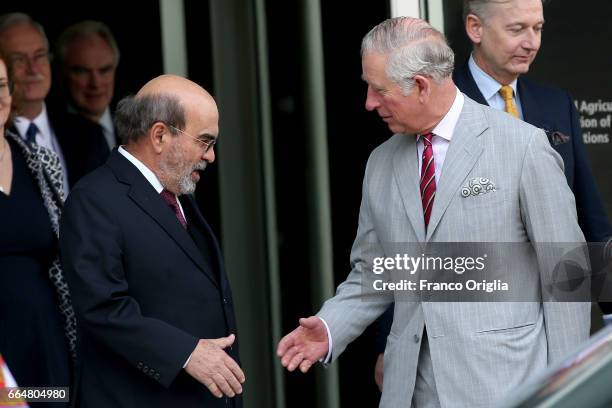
305, 345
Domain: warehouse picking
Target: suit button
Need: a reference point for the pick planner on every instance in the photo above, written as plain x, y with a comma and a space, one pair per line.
225, 301
416, 338
139, 365
156, 376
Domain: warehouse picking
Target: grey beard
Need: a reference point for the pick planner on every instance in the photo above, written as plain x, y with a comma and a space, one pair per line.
186, 184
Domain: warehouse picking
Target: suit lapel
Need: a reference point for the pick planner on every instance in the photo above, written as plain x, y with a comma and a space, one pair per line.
144, 196
196, 217
406, 173
530, 106
465, 82
463, 152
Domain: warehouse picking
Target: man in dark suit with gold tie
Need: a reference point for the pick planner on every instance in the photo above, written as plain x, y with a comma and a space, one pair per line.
506, 37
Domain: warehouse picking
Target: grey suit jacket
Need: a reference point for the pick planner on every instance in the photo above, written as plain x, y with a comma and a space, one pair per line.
479, 351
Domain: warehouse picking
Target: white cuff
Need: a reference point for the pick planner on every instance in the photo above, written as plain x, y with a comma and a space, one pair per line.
188, 358
329, 340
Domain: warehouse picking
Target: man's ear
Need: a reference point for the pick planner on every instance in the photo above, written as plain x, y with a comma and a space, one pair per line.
422, 85
473, 28
158, 136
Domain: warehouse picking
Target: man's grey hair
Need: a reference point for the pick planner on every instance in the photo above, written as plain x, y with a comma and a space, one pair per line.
482, 8
86, 29
135, 115
414, 48
10, 20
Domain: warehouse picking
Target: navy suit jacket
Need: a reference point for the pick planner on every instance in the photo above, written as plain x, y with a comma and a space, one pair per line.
82, 144
144, 290
553, 110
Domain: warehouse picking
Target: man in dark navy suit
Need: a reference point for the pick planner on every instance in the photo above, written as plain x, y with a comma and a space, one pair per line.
154, 308
506, 37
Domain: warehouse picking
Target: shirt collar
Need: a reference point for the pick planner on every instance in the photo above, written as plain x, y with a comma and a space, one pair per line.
487, 85
41, 121
446, 127
146, 172
106, 121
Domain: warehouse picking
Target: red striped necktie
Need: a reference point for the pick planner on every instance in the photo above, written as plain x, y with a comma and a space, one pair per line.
428, 177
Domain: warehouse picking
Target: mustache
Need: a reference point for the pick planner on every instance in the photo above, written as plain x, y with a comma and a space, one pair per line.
31, 79
201, 166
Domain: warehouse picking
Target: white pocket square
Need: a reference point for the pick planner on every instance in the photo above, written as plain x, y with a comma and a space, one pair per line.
476, 186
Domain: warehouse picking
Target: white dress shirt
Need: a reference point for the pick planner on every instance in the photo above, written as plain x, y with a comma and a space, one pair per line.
489, 88
443, 133
147, 173
45, 137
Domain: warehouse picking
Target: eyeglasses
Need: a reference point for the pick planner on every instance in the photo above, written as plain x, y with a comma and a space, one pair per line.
6, 89
20, 61
206, 145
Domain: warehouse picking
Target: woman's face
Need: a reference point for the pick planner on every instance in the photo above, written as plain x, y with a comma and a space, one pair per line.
5, 97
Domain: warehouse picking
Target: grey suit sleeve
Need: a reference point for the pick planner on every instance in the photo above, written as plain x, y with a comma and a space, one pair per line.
356, 304
549, 211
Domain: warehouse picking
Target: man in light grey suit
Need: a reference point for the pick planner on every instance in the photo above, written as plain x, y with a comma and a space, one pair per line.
448, 354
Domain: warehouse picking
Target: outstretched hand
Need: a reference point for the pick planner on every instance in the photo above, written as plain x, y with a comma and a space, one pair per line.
213, 367
305, 345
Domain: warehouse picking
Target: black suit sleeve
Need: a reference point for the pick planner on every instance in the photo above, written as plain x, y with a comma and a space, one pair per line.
592, 215
91, 249
383, 328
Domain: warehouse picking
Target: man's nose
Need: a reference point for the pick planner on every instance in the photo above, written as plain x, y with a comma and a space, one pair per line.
209, 156
532, 40
371, 102
95, 79
31, 65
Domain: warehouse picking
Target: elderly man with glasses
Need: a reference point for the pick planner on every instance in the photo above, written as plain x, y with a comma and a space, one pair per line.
153, 303
25, 48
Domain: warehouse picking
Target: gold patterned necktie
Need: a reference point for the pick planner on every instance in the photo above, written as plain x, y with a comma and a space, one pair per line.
506, 93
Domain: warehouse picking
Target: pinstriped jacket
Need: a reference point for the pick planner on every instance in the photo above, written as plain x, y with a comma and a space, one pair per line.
479, 351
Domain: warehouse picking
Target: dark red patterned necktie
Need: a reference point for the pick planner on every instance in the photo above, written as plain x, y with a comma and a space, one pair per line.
428, 177
170, 199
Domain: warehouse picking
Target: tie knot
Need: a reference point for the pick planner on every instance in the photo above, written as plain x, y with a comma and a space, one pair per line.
31, 133
506, 92
427, 138
169, 197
